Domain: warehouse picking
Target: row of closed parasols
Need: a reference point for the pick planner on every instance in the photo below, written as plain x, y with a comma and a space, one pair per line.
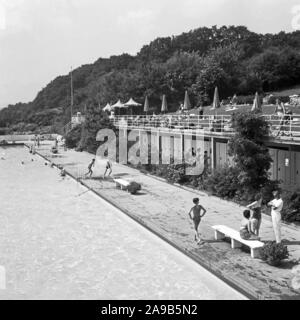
186, 105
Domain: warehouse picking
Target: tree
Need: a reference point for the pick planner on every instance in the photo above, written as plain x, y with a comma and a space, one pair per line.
95, 120
251, 156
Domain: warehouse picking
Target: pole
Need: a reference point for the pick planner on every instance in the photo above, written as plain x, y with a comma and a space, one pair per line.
72, 97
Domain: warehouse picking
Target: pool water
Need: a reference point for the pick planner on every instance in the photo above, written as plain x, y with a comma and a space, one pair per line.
58, 241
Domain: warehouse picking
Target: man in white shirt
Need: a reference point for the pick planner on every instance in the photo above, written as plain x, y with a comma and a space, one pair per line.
276, 205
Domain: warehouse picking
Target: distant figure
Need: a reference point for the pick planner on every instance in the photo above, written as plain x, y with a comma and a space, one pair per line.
205, 160
276, 204
201, 111
108, 167
38, 140
195, 215
255, 220
193, 152
91, 165
63, 173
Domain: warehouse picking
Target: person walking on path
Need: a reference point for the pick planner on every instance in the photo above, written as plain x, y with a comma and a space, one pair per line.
91, 165
196, 216
276, 204
255, 220
108, 167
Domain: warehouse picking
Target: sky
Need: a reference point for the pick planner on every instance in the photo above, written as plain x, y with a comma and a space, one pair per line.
41, 39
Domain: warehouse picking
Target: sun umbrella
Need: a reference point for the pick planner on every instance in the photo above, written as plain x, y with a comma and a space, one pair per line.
164, 105
131, 103
187, 103
146, 105
256, 103
216, 102
234, 100
107, 107
119, 104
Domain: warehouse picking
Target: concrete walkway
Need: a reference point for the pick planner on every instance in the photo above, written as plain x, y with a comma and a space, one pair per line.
163, 208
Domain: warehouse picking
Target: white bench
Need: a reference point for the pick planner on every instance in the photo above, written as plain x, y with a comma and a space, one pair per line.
123, 184
236, 241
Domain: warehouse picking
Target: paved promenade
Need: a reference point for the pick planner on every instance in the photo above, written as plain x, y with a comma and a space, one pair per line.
163, 208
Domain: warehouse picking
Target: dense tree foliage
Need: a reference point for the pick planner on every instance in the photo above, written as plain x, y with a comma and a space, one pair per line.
251, 156
233, 58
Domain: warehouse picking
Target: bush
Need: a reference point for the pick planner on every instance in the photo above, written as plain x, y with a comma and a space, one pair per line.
223, 182
291, 206
273, 253
134, 187
283, 99
267, 190
72, 138
245, 99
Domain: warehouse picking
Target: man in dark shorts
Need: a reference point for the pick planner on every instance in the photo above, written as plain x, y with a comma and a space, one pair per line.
195, 215
92, 164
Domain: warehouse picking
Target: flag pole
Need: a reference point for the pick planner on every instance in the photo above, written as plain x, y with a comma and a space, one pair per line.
72, 96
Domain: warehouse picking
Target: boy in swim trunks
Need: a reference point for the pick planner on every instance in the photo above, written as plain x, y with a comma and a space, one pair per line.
195, 215
108, 167
92, 164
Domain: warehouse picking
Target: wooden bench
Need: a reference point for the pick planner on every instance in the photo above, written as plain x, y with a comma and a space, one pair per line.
236, 241
121, 183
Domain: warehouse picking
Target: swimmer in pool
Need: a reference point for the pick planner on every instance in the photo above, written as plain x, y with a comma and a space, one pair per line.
196, 216
63, 173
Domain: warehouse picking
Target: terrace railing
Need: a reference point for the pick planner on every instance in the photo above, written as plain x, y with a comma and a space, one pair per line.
287, 125
209, 123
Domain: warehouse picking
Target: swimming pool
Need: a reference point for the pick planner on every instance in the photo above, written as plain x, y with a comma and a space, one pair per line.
58, 241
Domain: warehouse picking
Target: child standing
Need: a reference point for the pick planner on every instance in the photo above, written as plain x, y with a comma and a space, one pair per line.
195, 215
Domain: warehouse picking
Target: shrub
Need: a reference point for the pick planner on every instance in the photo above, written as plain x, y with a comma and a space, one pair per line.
72, 138
283, 99
291, 206
267, 189
245, 99
273, 253
223, 182
134, 187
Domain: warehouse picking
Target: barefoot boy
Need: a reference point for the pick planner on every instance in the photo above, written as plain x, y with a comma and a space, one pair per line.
91, 165
195, 215
108, 168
